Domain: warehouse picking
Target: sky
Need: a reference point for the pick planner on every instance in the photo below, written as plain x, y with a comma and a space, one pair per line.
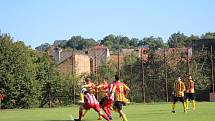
44, 21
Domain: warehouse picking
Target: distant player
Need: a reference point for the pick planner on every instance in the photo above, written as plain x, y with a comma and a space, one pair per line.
120, 88
190, 91
1, 97
179, 88
90, 102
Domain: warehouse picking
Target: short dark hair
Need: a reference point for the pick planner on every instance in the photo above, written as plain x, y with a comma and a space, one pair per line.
86, 92
106, 77
116, 77
87, 79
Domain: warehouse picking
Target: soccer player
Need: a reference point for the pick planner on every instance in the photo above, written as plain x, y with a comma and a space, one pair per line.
190, 91
104, 90
81, 94
119, 88
90, 102
108, 100
1, 97
91, 86
179, 88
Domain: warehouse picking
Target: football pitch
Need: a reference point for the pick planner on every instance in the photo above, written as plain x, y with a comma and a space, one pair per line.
205, 111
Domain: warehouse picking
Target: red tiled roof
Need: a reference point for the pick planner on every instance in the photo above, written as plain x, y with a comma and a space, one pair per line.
65, 55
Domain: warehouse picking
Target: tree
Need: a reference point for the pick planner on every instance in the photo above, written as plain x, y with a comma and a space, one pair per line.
26, 75
43, 47
106, 69
17, 73
115, 42
208, 35
152, 43
60, 43
110, 41
190, 40
178, 40
131, 74
133, 42
80, 43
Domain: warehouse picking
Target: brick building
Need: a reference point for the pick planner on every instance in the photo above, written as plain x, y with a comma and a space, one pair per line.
97, 54
77, 63
139, 52
70, 61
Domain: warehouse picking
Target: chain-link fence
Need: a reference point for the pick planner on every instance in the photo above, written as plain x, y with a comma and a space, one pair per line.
150, 74
151, 79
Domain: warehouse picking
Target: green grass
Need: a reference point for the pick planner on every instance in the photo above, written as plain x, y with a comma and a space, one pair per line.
205, 111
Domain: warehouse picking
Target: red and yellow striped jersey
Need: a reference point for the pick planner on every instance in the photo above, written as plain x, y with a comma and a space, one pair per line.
179, 88
120, 88
91, 87
190, 86
104, 87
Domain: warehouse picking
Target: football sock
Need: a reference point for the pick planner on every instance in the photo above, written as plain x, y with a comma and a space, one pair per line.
187, 104
194, 104
106, 110
173, 107
80, 115
184, 106
124, 117
105, 117
109, 112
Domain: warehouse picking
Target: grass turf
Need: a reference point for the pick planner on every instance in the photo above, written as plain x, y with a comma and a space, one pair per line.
205, 111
